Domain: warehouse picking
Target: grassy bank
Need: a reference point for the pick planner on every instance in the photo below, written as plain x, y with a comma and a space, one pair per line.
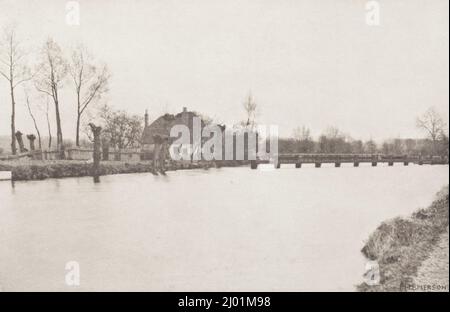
40, 170
401, 245
433, 273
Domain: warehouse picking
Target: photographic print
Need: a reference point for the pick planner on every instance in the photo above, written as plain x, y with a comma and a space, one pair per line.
224, 146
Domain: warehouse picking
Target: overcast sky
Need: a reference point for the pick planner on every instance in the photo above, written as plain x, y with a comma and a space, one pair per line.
312, 63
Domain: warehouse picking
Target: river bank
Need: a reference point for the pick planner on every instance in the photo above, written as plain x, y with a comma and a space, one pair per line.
41, 170
433, 273
411, 252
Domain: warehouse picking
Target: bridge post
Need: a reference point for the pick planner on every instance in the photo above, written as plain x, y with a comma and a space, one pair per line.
298, 165
253, 164
405, 163
390, 163
317, 164
375, 158
355, 164
337, 164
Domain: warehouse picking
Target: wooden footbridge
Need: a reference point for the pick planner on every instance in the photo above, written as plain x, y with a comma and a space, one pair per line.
355, 159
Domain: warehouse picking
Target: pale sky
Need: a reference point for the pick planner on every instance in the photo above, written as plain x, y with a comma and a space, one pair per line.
312, 63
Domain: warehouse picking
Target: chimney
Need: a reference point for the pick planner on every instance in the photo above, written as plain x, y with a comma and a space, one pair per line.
146, 117
184, 116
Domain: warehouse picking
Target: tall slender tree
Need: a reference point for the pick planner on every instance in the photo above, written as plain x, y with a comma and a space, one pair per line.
13, 67
90, 81
30, 111
52, 71
250, 108
47, 117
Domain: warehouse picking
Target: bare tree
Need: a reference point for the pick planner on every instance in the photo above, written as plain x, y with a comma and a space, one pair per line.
90, 81
27, 98
15, 70
333, 141
333, 133
302, 134
432, 124
206, 120
370, 147
303, 139
250, 108
51, 74
47, 117
121, 129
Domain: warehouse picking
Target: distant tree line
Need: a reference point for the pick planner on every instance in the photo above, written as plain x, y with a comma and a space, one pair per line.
333, 141
327, 145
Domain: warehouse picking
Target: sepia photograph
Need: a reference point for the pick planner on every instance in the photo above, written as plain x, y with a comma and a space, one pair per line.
212, 146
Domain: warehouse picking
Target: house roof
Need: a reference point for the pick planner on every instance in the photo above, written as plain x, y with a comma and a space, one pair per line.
160, 128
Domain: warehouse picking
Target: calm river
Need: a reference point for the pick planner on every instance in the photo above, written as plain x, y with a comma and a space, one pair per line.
204, 230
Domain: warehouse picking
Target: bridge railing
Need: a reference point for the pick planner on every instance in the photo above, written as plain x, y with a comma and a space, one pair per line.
338, 158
